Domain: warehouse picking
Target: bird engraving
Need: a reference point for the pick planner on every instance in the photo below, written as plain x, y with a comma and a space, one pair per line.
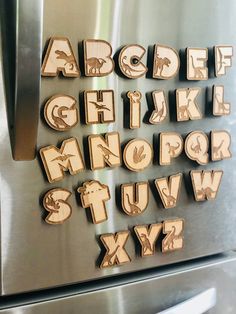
106, 152
100, 106
63, 157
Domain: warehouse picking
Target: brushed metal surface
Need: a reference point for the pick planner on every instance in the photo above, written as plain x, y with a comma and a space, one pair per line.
22, 33
35, 255
198, 304
28, 64
149, 295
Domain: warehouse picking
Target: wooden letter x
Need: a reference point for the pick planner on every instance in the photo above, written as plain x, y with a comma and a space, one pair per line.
114, 244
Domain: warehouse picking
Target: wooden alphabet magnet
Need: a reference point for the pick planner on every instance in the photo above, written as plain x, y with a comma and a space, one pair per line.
55, 202
130, 61
166, 62
160, 103
147, 236
137, 154
134, 197
97, 57
174, 239
196, 147
99, 106
223, 59
220, 107
169, 189
104, 151
220, 145
94, 194
61, 113
135, 109
205, 183
171, 146
186, 104
60, 58
115, 249
196, 64
57, 160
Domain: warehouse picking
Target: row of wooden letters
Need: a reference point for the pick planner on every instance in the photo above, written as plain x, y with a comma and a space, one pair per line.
134, 196
147, 236
55, 201
61, 111
137, 153
98, 60
94, 195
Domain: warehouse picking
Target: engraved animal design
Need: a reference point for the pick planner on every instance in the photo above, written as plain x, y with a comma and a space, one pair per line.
157, 116
134, 209
172, 148
127, 69
160, 63
170, 200
50, 202
59, 119
99, 106
197, 70
69, 59
138, 155
145, 243
169, 240
106, 152
205, 193
197, 148
221, 105
217, 148
63, 157
184, 110
108, 257
95, 65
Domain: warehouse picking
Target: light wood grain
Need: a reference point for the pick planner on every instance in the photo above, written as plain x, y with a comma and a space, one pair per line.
134, 197
59, 57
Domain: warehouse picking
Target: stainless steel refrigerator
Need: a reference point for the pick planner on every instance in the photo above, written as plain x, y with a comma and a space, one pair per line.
56, 268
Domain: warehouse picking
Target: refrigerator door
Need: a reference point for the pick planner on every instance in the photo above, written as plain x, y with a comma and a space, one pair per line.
36, 255
197, 288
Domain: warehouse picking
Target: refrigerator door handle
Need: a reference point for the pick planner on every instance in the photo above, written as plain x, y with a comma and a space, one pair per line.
198, 304
22, 22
